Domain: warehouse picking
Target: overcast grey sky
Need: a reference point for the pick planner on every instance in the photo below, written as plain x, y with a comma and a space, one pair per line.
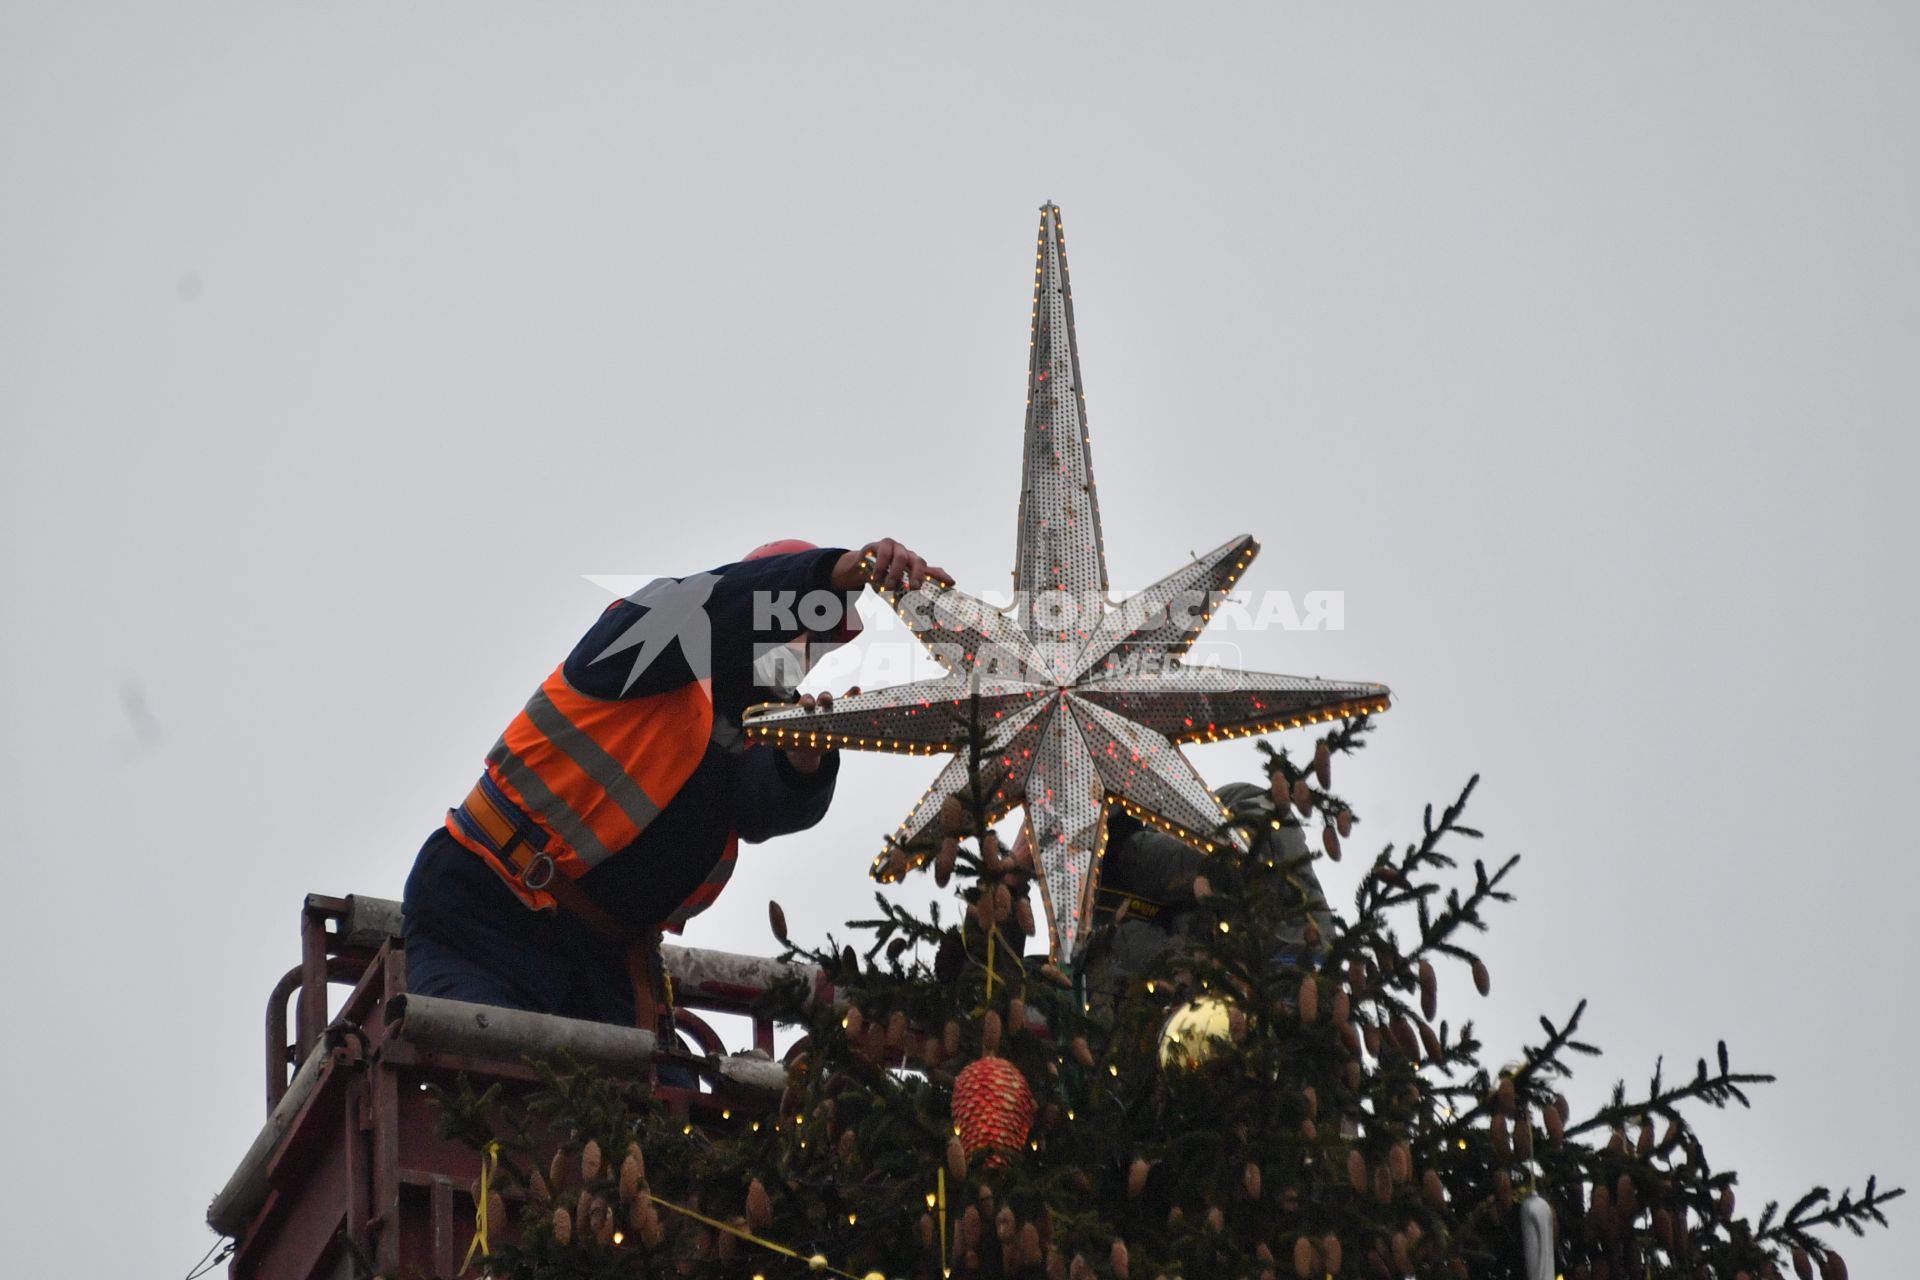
1575, 344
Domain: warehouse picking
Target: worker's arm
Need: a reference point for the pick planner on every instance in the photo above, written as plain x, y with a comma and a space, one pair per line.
729, 617
640, 646
773, 797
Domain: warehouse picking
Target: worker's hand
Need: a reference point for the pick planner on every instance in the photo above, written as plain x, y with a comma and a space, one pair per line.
805, 759
888, 566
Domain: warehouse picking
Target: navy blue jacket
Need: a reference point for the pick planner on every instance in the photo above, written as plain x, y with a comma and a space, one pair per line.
751, 791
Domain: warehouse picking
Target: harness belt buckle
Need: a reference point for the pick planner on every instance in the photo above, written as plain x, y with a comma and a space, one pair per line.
542, 864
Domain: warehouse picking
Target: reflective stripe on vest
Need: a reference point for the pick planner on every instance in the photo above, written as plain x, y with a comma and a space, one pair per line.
707, 890
594, 772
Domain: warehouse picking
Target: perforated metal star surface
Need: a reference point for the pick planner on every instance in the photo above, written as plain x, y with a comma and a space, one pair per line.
1082, 704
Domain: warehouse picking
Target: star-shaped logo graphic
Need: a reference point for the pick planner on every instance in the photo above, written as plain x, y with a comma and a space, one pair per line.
676, 612
1081, 705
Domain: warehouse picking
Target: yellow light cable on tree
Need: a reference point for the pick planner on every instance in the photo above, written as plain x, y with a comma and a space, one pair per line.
946, 1268
815, 1262
479, 1245
993, 931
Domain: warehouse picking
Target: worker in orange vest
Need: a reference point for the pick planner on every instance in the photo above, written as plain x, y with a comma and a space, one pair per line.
612, 807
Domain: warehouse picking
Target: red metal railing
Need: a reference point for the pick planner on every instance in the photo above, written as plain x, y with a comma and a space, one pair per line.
350, 1160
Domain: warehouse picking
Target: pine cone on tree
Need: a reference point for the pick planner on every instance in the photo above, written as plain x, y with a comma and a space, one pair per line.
993, 1107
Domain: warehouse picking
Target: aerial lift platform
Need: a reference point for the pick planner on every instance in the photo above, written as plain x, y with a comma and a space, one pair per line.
349, 1161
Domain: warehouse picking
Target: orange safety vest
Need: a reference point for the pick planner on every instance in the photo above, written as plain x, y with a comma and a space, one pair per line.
591, 774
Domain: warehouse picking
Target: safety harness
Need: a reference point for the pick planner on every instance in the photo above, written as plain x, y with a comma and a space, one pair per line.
488, 818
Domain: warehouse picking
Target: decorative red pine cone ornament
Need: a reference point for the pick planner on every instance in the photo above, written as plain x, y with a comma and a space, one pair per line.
993, 1107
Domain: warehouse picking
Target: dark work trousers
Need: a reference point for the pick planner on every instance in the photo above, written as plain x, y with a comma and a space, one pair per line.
469, 937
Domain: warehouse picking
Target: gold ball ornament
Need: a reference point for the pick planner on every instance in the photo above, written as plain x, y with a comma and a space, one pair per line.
1193, 1034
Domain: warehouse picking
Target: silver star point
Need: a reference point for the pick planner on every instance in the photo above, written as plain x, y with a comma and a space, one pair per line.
1071, 704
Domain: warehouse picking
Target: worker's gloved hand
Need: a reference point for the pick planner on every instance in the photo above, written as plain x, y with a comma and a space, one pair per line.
806, 760
887, 566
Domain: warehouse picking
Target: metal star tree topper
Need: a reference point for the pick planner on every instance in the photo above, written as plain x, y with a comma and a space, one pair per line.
1080, 704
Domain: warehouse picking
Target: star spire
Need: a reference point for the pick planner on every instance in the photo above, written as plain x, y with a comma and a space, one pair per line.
1060, 562
1081, 704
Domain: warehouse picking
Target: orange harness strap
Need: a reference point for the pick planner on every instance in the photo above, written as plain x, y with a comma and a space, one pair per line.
651, 1006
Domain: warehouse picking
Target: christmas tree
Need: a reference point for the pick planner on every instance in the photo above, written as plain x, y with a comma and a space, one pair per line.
1276, 1092
1207, 1071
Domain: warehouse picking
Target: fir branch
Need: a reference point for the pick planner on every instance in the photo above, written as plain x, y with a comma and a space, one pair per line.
1715, 1088
1846, 1212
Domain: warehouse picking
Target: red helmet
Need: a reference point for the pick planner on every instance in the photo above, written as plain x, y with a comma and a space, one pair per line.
779, 547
